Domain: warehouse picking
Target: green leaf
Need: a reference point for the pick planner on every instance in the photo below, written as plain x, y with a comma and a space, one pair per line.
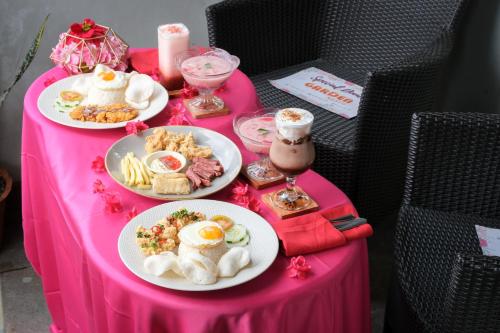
28, 58
263, 131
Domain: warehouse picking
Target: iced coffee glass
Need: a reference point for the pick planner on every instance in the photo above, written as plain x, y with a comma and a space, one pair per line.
292, 153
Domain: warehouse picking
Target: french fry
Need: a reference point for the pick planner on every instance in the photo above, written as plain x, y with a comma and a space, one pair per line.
135, 172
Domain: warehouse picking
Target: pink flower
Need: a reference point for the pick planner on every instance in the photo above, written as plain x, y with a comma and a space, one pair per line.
188, 91
132, 213
177, 115
155, 74
177, 121
49, 81
254, 205
239, 188
136, 127
242, 200
87, 44
220, 89
242, 197
98, 186
112, 202
98, 164
177, 110
298, 268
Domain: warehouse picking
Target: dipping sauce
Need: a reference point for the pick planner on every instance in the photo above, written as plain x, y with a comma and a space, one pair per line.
257, 133
171, 162
165, 164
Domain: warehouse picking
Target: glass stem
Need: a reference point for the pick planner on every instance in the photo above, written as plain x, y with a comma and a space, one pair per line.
207, 99
290, 183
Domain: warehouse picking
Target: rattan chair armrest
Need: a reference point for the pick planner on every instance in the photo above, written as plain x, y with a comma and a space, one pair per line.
472, 302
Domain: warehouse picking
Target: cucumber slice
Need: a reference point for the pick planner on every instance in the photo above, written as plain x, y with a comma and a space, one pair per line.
243, 242
236, 234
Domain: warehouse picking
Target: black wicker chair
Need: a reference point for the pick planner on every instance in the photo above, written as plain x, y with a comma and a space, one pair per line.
442, 283
394, 49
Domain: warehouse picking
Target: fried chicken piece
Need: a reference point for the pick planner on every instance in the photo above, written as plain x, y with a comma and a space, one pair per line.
112, 113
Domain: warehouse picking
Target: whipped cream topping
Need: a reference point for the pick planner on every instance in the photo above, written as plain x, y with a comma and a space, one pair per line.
173, 30
293, 123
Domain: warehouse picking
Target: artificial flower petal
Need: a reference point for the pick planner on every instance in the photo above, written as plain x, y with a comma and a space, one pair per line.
177, 115
112, 202
98, 164
299, 268
136, 127
98, 186
132, 213
155, 74
188, 91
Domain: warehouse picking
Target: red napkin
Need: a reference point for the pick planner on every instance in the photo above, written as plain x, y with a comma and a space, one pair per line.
145, 62
314, 232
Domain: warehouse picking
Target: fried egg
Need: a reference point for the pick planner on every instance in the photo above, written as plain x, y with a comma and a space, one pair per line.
105, 78
202, 234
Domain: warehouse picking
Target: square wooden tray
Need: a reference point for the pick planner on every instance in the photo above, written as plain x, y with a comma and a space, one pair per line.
286, 214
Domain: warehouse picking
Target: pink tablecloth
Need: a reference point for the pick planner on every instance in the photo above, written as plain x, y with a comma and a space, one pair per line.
72, 244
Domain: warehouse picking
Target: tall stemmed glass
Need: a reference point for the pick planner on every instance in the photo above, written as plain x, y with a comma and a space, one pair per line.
292, 153
206, 69
256, 130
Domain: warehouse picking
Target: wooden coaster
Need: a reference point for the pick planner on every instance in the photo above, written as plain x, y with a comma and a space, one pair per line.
199, 114
260, 184
286, 214
175, 93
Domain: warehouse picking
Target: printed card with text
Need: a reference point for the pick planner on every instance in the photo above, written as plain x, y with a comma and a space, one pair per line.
489, 240
324, 90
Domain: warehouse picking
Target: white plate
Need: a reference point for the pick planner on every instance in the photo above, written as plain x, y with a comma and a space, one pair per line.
263, 244
223, 149
46, 105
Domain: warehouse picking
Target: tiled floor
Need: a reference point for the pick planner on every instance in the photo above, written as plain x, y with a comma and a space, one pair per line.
23, 309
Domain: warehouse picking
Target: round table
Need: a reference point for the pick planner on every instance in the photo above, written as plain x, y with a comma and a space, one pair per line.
72, 244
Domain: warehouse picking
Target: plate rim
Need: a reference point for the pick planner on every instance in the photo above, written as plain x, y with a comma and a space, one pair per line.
168, 197
209, 287
113, 125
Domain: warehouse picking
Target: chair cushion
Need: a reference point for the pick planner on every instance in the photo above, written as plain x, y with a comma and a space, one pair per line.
329, 128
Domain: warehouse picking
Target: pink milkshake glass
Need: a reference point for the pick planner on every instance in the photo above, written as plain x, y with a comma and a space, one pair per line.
256, 130
172, 39
206, 69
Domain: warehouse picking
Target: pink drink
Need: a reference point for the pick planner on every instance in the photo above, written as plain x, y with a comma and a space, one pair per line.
172, 39
206, 71
257, 134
